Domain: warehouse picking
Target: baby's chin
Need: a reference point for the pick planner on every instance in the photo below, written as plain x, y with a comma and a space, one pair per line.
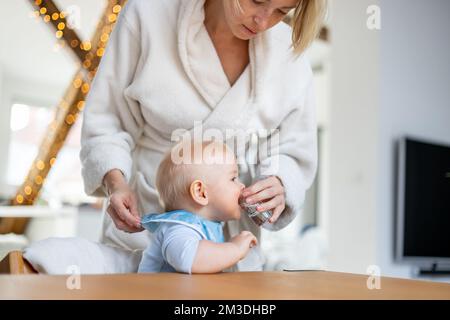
236, 215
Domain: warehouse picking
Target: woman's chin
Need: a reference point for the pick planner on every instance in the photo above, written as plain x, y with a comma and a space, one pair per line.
242, 35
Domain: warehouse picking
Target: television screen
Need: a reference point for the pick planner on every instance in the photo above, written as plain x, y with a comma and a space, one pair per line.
425, 199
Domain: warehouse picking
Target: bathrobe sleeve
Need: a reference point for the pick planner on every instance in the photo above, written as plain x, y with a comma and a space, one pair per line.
112, 121
295, 160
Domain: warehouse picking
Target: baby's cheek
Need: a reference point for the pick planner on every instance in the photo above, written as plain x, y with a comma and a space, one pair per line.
238, 189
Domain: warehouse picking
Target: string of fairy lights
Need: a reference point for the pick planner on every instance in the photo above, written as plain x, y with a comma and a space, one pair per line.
88, 54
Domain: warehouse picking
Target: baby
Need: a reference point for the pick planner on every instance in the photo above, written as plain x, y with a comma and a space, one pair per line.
199, 188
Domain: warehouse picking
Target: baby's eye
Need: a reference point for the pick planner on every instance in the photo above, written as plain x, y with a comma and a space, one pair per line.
234, 178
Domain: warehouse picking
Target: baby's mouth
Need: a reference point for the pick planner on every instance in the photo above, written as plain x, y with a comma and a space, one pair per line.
241, 202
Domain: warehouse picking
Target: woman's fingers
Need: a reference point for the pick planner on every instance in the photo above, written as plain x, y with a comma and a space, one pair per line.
123, 209
263, 195
271, 204
270, 193
270, 182
123, 212
257, 186
132, 207
118, 222
276, 205
253, 242
276, 213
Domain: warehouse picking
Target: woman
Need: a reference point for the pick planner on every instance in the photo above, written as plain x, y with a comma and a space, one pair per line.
228, 64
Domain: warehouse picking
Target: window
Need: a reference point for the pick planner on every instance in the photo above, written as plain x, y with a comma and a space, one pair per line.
28, 126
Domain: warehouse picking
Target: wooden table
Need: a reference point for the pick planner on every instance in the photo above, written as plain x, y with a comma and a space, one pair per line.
241, 285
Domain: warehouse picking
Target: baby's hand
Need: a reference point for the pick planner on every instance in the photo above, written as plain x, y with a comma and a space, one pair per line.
244, 241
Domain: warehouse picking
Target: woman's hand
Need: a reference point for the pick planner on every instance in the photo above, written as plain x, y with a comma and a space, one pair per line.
270, 193
122, 203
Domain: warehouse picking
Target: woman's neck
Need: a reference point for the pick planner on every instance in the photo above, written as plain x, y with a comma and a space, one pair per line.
215, 22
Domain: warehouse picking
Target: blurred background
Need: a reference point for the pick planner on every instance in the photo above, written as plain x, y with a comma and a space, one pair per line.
382, 73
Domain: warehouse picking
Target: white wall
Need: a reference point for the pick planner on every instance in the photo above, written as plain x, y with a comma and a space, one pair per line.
385, 84
353, 137
4, 129
415, 97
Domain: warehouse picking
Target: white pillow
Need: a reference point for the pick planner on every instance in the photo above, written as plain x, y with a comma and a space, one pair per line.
78, 255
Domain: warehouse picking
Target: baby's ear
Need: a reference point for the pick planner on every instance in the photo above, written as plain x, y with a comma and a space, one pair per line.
198, 192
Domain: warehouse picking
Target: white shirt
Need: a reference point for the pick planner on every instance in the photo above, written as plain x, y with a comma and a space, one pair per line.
173, 249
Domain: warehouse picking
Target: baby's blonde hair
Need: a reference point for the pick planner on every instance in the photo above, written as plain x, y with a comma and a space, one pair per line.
174, 178
172, 183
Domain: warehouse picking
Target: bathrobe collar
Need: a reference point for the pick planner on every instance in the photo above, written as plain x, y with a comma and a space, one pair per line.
203, 67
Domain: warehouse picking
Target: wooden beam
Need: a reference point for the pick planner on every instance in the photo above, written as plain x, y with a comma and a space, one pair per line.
50, 13
89, 54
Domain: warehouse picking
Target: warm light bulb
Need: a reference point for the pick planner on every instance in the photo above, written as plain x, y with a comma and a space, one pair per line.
100, 52
38, 180
104, 37
77, 83
85, 88
86, 45
40, 165
70, 119
80, 105
19, 198
117, 8
86, 64
28, 190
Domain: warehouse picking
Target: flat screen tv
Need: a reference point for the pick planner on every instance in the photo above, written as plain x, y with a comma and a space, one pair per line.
423, 204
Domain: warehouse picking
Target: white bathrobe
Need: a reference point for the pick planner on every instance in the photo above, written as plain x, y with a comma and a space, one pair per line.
161, 73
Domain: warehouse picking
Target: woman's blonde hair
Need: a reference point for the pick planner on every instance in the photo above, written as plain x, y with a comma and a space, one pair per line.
307, 22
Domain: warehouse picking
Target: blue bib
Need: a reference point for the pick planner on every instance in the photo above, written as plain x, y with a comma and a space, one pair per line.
209, 230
